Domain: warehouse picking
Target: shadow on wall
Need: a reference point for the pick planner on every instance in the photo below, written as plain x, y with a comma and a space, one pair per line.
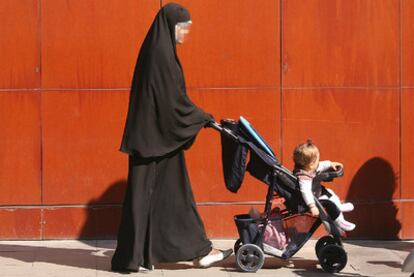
104, 213
371, 190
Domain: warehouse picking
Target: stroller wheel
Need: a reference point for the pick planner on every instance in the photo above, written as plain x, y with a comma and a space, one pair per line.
237, 245
323, 241
250, 258
333, 258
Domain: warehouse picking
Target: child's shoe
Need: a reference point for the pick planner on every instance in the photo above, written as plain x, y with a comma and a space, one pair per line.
347, 207
343, 224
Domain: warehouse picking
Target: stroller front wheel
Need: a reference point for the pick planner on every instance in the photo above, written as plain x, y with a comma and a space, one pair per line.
250, 258
323, 241
333, 258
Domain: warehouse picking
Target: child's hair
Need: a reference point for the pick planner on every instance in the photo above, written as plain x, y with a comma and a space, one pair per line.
304, 154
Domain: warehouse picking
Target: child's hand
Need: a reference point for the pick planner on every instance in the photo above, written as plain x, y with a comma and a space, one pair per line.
336, 165
314, 210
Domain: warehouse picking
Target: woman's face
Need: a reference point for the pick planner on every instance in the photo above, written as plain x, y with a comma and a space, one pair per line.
182, 29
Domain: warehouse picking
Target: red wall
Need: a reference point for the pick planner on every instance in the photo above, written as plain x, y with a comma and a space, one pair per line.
337, 71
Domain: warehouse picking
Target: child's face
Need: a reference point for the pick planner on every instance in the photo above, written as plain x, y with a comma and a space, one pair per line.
314, 165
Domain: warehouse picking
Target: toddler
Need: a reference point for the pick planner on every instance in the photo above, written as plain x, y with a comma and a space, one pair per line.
307, 166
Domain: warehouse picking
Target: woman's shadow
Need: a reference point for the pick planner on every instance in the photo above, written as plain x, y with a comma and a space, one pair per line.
372, 191
104, 214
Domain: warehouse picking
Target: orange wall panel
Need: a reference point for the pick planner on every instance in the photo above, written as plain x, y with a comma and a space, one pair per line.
340, 43
81, 137
19, 48
407, 220
20, 176
219, 219
75, 224
347, 68
356, 127
407, 174
259, 106
89, 44
376, 220
20, 223
407, 39
233, 43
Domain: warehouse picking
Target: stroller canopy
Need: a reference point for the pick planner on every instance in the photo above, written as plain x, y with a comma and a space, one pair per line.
240, 138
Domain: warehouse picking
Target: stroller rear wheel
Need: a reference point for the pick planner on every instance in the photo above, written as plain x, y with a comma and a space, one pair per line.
237, 245
323, 241
250, 258
333, 258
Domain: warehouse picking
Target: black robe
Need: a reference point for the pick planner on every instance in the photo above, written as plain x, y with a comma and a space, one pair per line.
160, 222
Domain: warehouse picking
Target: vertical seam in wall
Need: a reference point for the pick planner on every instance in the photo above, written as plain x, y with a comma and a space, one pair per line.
40, 116
281, 79
400, 13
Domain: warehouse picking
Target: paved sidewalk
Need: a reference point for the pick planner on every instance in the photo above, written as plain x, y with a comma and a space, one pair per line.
92, 258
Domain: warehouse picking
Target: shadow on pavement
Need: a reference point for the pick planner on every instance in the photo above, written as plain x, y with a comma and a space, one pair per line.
387, 263
274, 263
95, 259
300, 266
405, 246
323, 273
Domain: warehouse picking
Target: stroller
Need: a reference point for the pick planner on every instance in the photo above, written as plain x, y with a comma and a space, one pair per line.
291, 226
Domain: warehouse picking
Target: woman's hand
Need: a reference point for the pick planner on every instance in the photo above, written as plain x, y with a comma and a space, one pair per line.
210, 119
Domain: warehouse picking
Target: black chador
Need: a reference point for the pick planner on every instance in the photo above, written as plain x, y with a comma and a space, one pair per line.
160, 222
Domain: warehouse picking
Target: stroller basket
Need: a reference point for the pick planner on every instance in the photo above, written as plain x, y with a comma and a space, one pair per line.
247, 228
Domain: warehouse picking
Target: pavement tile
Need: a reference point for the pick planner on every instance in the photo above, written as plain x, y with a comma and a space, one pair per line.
15, 263
213, 271
15, 271
377, 259
64, 273
92, 258
17, 258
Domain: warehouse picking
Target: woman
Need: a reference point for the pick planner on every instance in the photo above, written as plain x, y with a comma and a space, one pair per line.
160, 222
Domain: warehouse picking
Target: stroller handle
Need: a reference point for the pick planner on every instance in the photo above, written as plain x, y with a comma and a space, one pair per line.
215, 126
218, 127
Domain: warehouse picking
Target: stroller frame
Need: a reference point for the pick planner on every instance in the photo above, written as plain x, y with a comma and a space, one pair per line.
249, 249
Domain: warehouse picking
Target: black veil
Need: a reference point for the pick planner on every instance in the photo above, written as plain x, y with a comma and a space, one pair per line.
161, 118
